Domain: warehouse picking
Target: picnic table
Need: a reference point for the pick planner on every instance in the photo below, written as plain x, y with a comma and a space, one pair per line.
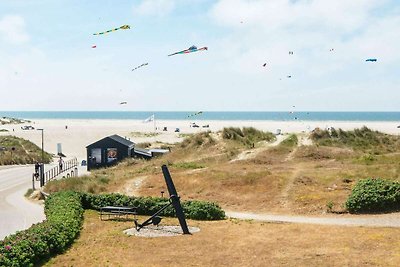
117, 211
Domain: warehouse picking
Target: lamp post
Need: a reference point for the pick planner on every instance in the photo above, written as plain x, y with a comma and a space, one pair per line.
42, 145
42, 165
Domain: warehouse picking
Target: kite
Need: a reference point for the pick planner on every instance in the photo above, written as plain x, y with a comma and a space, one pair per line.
123, 103
371, 60
331, 50
290, 52
144, 64
195, 114
191, 49
289, 76
123, 27
265, 64
94, 46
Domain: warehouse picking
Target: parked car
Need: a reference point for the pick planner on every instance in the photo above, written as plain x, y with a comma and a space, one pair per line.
27, 127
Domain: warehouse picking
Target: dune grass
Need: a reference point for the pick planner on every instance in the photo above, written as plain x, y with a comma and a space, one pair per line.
363, 139
284, 178
20, 151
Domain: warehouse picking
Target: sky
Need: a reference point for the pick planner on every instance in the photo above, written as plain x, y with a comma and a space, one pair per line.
47, 61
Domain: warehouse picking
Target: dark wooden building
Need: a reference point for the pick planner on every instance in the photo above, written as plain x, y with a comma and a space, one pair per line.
108, 151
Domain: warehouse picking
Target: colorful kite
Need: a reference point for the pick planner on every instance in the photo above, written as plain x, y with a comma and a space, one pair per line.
123, 27
191, 49
144, 64
371, 60
194, 114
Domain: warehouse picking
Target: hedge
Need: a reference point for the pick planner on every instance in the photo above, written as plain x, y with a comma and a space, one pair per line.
64, 213
374, 195
193, 209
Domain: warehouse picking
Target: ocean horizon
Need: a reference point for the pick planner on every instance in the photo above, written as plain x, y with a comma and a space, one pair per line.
211, 115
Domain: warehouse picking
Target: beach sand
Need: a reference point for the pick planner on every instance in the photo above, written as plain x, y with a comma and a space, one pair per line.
80, 133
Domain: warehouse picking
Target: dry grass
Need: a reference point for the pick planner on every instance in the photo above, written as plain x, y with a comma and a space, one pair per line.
233, 243
285, 179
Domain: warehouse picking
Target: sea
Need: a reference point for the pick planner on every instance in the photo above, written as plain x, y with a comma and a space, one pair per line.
208, 115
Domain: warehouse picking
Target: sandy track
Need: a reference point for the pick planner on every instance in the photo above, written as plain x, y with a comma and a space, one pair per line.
381, 220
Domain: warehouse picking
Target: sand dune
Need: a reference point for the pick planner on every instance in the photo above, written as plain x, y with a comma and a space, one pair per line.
81, 133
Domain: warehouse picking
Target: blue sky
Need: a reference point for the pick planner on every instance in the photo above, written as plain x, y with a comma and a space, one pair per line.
47, 62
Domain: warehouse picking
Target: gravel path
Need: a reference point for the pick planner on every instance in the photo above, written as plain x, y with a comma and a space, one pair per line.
380, 220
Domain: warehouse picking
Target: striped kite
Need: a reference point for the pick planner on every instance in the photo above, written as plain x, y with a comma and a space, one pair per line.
194, 114
191, 49
123, 27
144, 64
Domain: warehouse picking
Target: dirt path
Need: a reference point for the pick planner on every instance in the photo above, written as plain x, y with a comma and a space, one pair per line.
381, 220
252, 153
131, 188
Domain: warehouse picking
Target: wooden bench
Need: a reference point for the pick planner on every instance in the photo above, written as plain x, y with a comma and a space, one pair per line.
117, 212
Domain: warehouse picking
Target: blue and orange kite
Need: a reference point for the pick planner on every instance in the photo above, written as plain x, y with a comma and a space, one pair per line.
191, 49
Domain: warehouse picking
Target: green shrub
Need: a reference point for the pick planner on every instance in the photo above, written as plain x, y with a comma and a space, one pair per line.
64, 219
374, 195
194, 209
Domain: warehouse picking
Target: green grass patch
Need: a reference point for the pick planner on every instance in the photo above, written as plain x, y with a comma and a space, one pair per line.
187, 165
290, 141
28, 192
247, 136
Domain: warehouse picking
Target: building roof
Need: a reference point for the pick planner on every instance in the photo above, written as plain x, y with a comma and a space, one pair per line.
142, 151
118, 139
121, 140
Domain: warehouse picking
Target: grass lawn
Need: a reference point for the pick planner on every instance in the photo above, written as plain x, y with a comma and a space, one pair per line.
233, 243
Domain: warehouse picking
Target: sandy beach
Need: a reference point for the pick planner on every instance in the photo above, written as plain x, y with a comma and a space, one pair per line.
79, 133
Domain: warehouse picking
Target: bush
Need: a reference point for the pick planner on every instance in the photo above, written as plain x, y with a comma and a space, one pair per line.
194, 209
64, 219
374, 195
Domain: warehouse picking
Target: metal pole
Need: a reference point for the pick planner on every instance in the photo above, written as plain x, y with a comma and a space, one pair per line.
42, 147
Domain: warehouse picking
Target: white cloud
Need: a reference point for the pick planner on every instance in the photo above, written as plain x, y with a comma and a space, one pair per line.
12, 29
154, 7
342, 15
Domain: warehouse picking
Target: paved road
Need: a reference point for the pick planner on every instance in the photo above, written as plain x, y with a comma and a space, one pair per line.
381, 220
16, 212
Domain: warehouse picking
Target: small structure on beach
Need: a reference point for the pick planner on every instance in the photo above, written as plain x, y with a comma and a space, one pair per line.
114, 148
108, 151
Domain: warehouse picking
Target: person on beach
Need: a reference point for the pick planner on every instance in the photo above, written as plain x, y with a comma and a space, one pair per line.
60, 163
